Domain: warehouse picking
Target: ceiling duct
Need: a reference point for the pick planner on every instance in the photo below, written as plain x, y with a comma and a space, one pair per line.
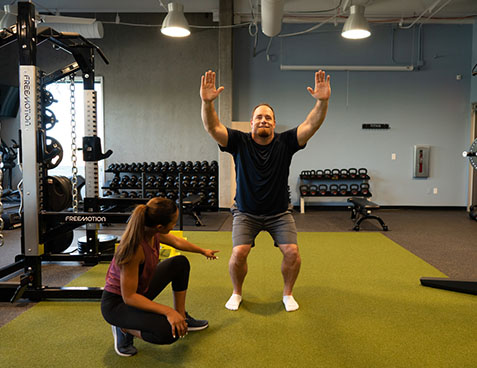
92, 30
272, 14
86, 27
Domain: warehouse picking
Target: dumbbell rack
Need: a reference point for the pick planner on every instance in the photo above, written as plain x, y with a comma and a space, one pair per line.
337, 183
163, 179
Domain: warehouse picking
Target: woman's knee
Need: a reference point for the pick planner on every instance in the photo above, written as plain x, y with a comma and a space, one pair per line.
181, 262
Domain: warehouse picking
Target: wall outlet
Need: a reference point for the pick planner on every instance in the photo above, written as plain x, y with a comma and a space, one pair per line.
434, 191
393, 156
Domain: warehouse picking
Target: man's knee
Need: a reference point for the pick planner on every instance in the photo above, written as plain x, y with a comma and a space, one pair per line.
290, 251
240, 253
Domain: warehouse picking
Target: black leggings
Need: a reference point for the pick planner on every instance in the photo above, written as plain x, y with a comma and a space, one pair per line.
155, 328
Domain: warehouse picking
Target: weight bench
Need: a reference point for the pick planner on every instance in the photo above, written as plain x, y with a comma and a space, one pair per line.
361, 210
190, 205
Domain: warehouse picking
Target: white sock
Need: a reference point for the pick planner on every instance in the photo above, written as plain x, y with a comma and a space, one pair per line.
233, 302
290, 303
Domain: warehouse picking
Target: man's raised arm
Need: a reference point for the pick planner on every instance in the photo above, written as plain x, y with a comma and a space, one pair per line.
316, 116
212, 124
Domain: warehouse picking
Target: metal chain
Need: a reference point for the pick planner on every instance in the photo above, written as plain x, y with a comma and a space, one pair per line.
74, 148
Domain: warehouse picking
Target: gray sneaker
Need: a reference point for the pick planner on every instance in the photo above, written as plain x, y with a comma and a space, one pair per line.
123, 342
195, 324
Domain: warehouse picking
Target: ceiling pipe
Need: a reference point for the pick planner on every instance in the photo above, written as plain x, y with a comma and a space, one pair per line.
360, 68
272, 15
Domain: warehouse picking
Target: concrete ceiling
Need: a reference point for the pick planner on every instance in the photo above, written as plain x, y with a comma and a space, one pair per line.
374, 8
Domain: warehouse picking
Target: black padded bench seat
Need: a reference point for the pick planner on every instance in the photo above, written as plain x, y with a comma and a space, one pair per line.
361, 210
190, 205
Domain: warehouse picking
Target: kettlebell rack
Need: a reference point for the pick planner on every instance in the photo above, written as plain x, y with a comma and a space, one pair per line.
338, 183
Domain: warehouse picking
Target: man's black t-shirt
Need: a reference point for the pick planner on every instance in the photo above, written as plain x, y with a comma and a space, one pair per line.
262, 171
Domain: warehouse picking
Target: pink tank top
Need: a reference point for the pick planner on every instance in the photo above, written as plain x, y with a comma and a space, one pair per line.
146, 269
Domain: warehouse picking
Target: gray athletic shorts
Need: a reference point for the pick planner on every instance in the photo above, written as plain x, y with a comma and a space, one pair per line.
246, 227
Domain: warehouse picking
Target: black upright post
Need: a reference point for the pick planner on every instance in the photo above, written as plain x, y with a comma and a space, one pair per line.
26, 30
181, 198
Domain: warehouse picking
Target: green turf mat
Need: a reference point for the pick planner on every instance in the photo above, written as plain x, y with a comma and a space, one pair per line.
361, 305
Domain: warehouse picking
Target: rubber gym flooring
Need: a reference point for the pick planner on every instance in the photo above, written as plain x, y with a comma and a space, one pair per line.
444, 238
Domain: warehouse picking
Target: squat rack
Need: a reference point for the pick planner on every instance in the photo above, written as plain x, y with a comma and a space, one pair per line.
34, 153
38, 224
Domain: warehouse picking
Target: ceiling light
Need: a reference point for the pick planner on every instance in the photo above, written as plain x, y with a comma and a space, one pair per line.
9, 18
175, 23
356, 26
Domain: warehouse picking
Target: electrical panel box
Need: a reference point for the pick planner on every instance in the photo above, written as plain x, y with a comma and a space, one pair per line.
421, 161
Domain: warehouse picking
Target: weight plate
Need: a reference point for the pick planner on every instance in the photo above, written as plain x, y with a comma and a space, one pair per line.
53, 154
473, 159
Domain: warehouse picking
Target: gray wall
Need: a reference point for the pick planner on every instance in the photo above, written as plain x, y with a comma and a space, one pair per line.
152, 104
429, 106
151, 88
473, 95
151, 91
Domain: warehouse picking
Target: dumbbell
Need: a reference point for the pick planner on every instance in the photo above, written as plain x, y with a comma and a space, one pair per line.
213, 168
115, 182
334, 189
124, 194
363, 173
343, 189
364, 188
211, 194
196, 167
133, 194
149, 184
354, 189
171, 195
124, 181
156, 184
185, 184
212, 202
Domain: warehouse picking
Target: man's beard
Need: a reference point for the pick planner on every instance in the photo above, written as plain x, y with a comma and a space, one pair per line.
263, 132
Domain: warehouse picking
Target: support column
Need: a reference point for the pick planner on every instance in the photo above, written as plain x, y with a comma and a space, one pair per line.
225, 100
